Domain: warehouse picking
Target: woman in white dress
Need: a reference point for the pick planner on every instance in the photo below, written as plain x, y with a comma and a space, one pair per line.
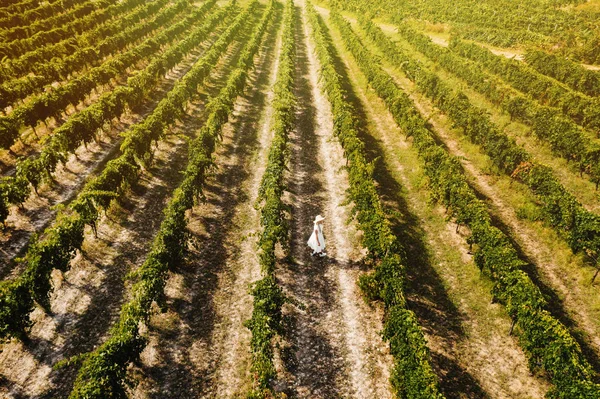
316, 241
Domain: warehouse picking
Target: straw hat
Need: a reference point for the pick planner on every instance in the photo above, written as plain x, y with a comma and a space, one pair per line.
319, 218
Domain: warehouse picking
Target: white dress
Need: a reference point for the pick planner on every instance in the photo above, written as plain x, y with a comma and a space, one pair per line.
312, 241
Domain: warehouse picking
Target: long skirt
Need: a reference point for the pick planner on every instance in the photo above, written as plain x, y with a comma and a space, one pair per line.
312, 242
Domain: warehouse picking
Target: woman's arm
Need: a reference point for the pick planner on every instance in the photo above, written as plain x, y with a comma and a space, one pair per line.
317, 236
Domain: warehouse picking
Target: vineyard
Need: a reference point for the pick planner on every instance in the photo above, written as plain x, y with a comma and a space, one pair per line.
163, 161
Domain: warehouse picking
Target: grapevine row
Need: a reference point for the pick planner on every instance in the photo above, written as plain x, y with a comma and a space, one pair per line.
21, 7
53, 103
45, 11
412, 376
500, 37
45, 18
500, 23
570, 73
60, 242
580, 227
501, 15
546, 341
565, 137
82, 127
583, 109
18, 47
269, 298
103, 373
45, 74
42, 60
16, 3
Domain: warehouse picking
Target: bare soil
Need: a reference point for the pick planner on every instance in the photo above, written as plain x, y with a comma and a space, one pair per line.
591, 67
200, 347
440, 41
566, 297
331, 348
471, 361
39, 209
508, 53
87, 299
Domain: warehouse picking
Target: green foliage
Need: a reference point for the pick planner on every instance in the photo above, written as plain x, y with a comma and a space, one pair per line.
546, 341
44, 17
409, 348
503, 23
51, 103
37, 32
499, 36
15, 305
580, 228
53, 252
583, 109
12, 7
82, 127
412, 376
104, 371
566, 71
529, 212
565, 137
265, 323
63, 238
28, 74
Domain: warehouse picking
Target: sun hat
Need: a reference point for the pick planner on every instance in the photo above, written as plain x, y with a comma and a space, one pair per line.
319, 218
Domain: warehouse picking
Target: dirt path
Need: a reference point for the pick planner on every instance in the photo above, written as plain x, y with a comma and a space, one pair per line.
85, 302
70, 178
591, 67
200, 347
580, 186
468, 335
570, 304
87, 299
440, 41
387, 27
334, 348
508, 53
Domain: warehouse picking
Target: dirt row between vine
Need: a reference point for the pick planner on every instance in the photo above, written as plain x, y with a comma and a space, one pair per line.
87, 299
470, 362
538, 253
569, 305
332, 347
32, 142
565, 293
78, 73
200, 348
565, 278
69, 178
